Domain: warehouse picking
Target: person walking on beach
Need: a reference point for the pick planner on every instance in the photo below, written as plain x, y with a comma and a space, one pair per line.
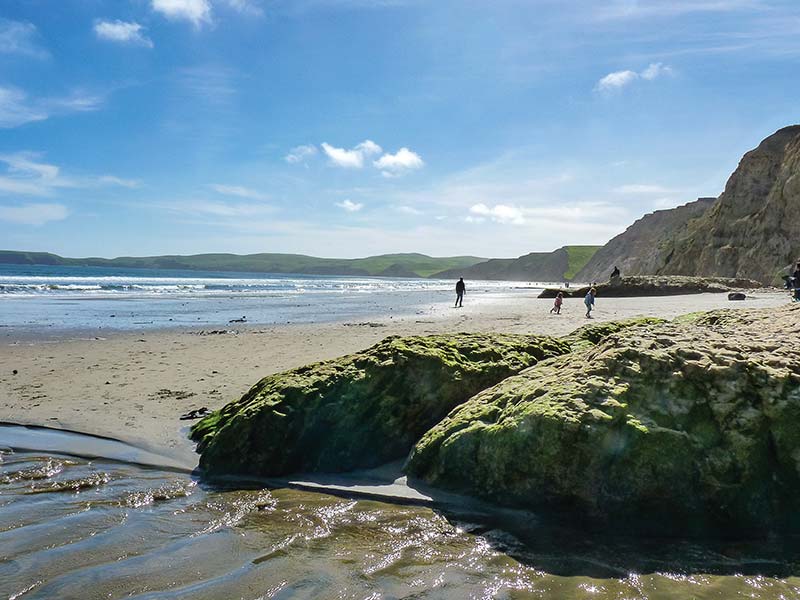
796, 283
461, 289
589, 302
557, 304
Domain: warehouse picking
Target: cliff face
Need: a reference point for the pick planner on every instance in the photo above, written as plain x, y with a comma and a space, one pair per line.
644, 247
751, 230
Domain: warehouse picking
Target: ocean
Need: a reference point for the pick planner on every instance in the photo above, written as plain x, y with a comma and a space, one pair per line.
52, 300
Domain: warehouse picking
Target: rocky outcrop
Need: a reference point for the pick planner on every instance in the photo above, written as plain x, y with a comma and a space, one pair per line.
644, 247
360, 410
751, 230
665, 285
687, 426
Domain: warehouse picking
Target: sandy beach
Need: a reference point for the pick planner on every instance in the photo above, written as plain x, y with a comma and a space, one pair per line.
135, 386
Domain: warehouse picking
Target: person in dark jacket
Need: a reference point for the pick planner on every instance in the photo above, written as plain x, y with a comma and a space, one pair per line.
589, 302
614, 273
461, 289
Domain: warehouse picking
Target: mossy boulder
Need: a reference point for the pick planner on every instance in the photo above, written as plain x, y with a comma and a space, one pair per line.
360, 410
675, 427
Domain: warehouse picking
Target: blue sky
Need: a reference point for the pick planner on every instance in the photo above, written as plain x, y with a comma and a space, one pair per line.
356, 127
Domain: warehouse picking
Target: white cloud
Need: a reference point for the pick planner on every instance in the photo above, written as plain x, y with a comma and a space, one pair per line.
299, 154
197, 12
77, 101
638, 9
408, 210
616, 80
620, 79
655, 70
353, 158
350, 206
121, 182
33, 214
500, 213
122, 32
27, 175
404, 160
249, 8
239, 191
17, 108
20, 38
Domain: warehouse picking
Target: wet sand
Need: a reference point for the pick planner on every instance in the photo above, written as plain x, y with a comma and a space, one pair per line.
135, 386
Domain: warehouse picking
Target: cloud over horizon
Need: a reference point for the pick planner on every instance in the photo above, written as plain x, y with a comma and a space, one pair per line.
620, 79
350, 206
394, 165
353, 158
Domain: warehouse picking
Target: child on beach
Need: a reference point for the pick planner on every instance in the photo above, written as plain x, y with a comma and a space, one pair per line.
557, 304
589, 302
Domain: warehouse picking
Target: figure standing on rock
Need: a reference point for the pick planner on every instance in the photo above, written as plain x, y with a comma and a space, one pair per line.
589, 302
461, 289
614, 274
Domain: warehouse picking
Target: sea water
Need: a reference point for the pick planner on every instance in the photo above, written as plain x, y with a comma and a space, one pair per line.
54, 299
112, 527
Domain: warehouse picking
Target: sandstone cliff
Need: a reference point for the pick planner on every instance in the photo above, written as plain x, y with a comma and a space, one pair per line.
642, 249
748, 232
751, 230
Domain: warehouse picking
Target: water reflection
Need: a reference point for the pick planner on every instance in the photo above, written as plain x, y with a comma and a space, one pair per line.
80, 528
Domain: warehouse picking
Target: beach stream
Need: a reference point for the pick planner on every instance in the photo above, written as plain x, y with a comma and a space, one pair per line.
124, 526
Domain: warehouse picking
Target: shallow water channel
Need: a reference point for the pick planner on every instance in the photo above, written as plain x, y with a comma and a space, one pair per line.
123, 526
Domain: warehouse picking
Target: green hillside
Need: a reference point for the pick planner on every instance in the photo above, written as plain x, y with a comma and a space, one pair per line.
578, 256
559, 265
395, 265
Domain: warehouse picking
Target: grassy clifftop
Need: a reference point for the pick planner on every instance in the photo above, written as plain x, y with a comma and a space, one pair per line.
559, 265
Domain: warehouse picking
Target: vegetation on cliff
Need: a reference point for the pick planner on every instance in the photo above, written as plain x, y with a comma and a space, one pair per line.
559, 265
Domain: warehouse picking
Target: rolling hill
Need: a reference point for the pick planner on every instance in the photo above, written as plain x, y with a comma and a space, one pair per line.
388, 265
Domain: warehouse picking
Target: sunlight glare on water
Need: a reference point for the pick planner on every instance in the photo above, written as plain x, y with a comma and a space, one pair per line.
75, 528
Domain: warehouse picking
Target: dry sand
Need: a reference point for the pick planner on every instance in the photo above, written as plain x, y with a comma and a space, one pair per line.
134, 386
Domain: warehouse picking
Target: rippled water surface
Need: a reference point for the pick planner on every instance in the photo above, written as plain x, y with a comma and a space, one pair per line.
78, 528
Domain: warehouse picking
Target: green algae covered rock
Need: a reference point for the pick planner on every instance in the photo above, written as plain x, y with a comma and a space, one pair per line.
360, 410
678, 427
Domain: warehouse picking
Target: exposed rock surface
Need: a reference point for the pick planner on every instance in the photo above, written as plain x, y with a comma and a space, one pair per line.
360, 410
665, 285
643, 247
678, 427
751, 231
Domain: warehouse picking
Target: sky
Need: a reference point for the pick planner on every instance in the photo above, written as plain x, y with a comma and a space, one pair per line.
347, 128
